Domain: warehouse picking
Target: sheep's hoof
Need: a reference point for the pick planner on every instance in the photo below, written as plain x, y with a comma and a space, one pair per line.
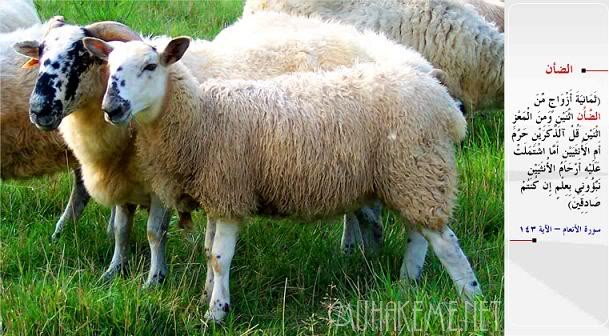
154, 280
348, 248
217, 311
372, 243
411, 274
211, 317
471, 292
55, 236
112, 272
108, 276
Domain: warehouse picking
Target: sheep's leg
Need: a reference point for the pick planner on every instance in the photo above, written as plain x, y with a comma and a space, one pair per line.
363, 229
122, 228
110, 226
79, 197
414, 256
371, 227
158, 222
352, 237
222, 253
446, 246
210, 232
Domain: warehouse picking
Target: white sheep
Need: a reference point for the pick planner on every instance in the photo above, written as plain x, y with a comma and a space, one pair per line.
493, 11
305, 145
281, 39
217, 59
339, 43
17, 14
448, 33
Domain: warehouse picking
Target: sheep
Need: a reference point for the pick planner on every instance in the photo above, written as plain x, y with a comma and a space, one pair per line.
325, 44
493, 11
303, 39
205, 60
305, 145
321, 45
448, 33
17, 14
26, 152
57, 87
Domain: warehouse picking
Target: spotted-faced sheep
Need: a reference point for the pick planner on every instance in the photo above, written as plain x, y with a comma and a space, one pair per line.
448, 33
26, 152
207, 61
304, 145
108, 177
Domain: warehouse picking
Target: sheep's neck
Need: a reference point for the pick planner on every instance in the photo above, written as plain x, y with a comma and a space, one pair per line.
166, 144
93, 140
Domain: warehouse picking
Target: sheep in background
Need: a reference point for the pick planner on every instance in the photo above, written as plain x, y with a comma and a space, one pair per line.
206, 59
321, 45
15, 14
26, 152
307, 145
493, 11
448, 33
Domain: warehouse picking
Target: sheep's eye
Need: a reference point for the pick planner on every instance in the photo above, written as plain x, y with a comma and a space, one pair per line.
150, 67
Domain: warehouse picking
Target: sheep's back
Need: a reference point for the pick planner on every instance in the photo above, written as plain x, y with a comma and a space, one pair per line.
317, 142
269, 44
451, 35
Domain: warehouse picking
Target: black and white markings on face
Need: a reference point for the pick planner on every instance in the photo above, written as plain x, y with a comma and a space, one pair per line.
63, 61
118, 105
137, 82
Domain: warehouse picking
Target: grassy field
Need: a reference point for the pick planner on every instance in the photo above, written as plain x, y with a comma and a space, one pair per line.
286, 279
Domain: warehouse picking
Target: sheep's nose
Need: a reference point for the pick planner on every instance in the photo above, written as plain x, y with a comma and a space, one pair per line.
44, 122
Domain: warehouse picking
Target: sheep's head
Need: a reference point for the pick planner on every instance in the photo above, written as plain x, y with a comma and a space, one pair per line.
138, 76
68, 76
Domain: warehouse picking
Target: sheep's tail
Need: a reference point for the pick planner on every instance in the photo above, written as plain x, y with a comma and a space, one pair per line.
458, 128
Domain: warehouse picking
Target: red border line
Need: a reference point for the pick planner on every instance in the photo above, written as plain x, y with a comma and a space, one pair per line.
533, 240
585, 70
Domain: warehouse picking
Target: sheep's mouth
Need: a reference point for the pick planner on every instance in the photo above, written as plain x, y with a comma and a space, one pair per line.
47, 128
45, 124
118, 120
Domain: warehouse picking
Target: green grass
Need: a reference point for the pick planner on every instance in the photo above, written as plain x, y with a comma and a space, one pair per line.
286, 279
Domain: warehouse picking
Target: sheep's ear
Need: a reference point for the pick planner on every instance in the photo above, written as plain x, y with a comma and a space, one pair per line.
97, 47
56, 22
175, 50
439, 75
29, 49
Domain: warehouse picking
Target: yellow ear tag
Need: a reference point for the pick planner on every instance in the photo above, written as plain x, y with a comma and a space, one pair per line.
32, 62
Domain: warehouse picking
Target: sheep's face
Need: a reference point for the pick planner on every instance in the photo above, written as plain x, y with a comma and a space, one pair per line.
64, 64
138, 77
